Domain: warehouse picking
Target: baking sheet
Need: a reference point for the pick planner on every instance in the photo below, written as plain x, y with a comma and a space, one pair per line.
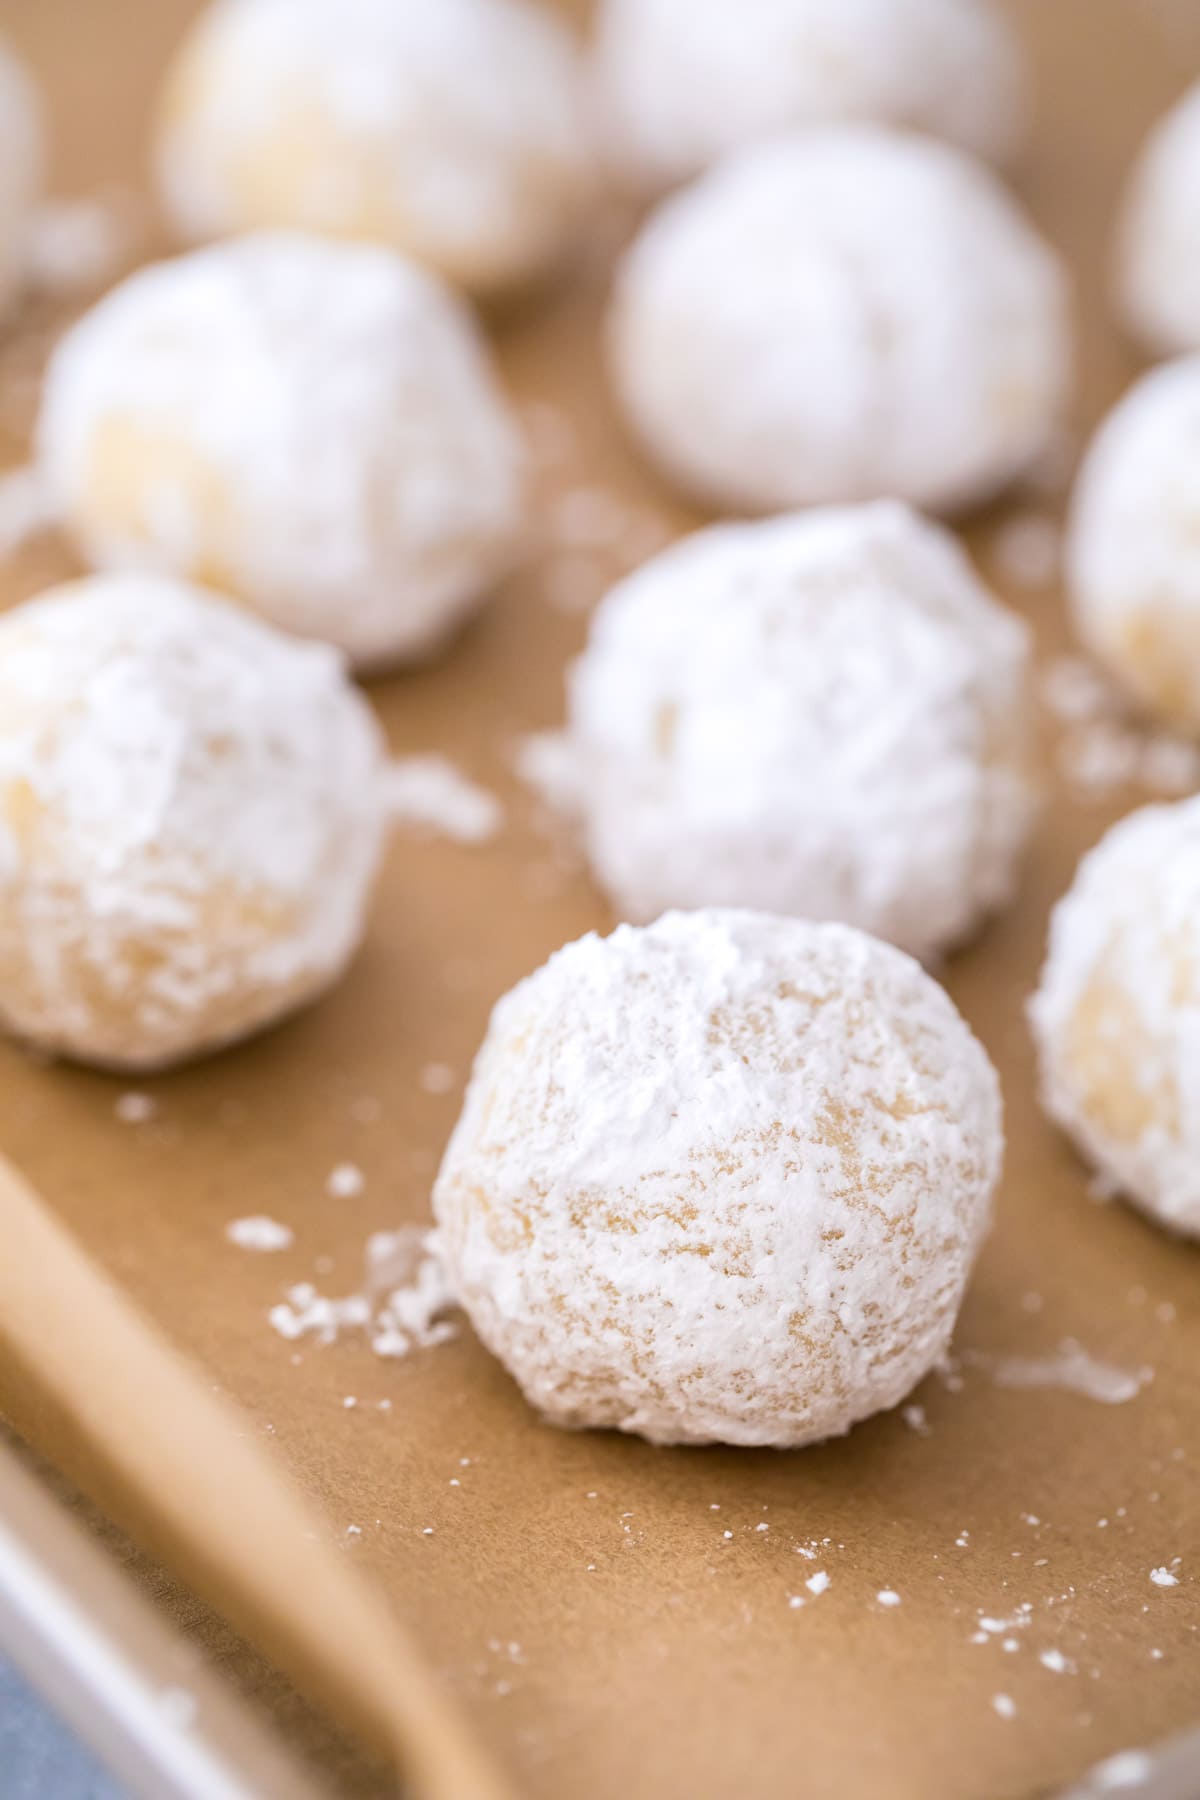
580, 1592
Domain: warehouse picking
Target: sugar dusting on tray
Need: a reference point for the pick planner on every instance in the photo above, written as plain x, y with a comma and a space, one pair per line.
401, 1305
431, 795
1070, 1367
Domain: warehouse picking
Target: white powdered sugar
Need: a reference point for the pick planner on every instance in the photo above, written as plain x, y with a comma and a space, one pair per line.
1116, 1017
401, 1305
1158, 244
658, 1223
823, 714
1103, 744
190, 821
76, 246
257, 1232
429, 794
843, 314
682, 82
1071, 1368
310, 426
452, 130
1133, 553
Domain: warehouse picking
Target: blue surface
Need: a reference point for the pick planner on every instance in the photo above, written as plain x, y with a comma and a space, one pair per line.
39, 1758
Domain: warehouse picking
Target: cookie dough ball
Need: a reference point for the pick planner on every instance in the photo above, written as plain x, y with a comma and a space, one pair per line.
1158, 244
190, 821
1132, 548
843, 314
823, 714
721, 1180
681, 83
449, 129
1117, 1015
310, 427
21, 160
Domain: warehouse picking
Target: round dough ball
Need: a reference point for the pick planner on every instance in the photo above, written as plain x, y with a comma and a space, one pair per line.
681, 83
721, 1180
844, 314
823, 714
449, 129
21, 168
1132, 548
310, 427
1116, 1018
190, 821
1158, 242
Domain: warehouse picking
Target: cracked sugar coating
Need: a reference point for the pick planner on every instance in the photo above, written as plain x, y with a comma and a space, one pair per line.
721, 1179
1158, 240
21, 168
1116, 1017
824, 713
1132, 549
842, 314
311, 427
449, 129
190, 821
681, 83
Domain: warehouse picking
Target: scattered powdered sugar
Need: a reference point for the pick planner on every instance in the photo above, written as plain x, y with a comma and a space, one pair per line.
429, 794
1071, 1367
888, 1597
260, 1233
1027, 549
77, 246
1127, 1769
914, 1417
1103, 746
27, 507
817, 1584
1056, 1662
135, 1109
346, 1181
401, 1306
1164, 1578
548, 763
1005, 1705
437, 1078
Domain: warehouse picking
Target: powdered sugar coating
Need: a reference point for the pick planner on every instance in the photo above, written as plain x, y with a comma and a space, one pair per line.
843, 314
190, 821
450, 130
1133, 554
824, 713
721, 1179
683, 82
1116, 1017
309, 426
21, 168
1158, 242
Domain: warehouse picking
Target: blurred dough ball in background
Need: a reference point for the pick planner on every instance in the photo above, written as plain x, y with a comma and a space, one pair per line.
311, 427
1133, 543
1117, 1015
824, 714
450, 129
722, 1179
1158, 241
842, 314
22, 155
190, 821
680, 83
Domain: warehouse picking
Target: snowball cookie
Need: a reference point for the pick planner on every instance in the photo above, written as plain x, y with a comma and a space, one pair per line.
841, 315
311, 427
1158, 242
680, 83
1132, 547
190, 820
450, 129
722, 1179
822, 714
1117, 1015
